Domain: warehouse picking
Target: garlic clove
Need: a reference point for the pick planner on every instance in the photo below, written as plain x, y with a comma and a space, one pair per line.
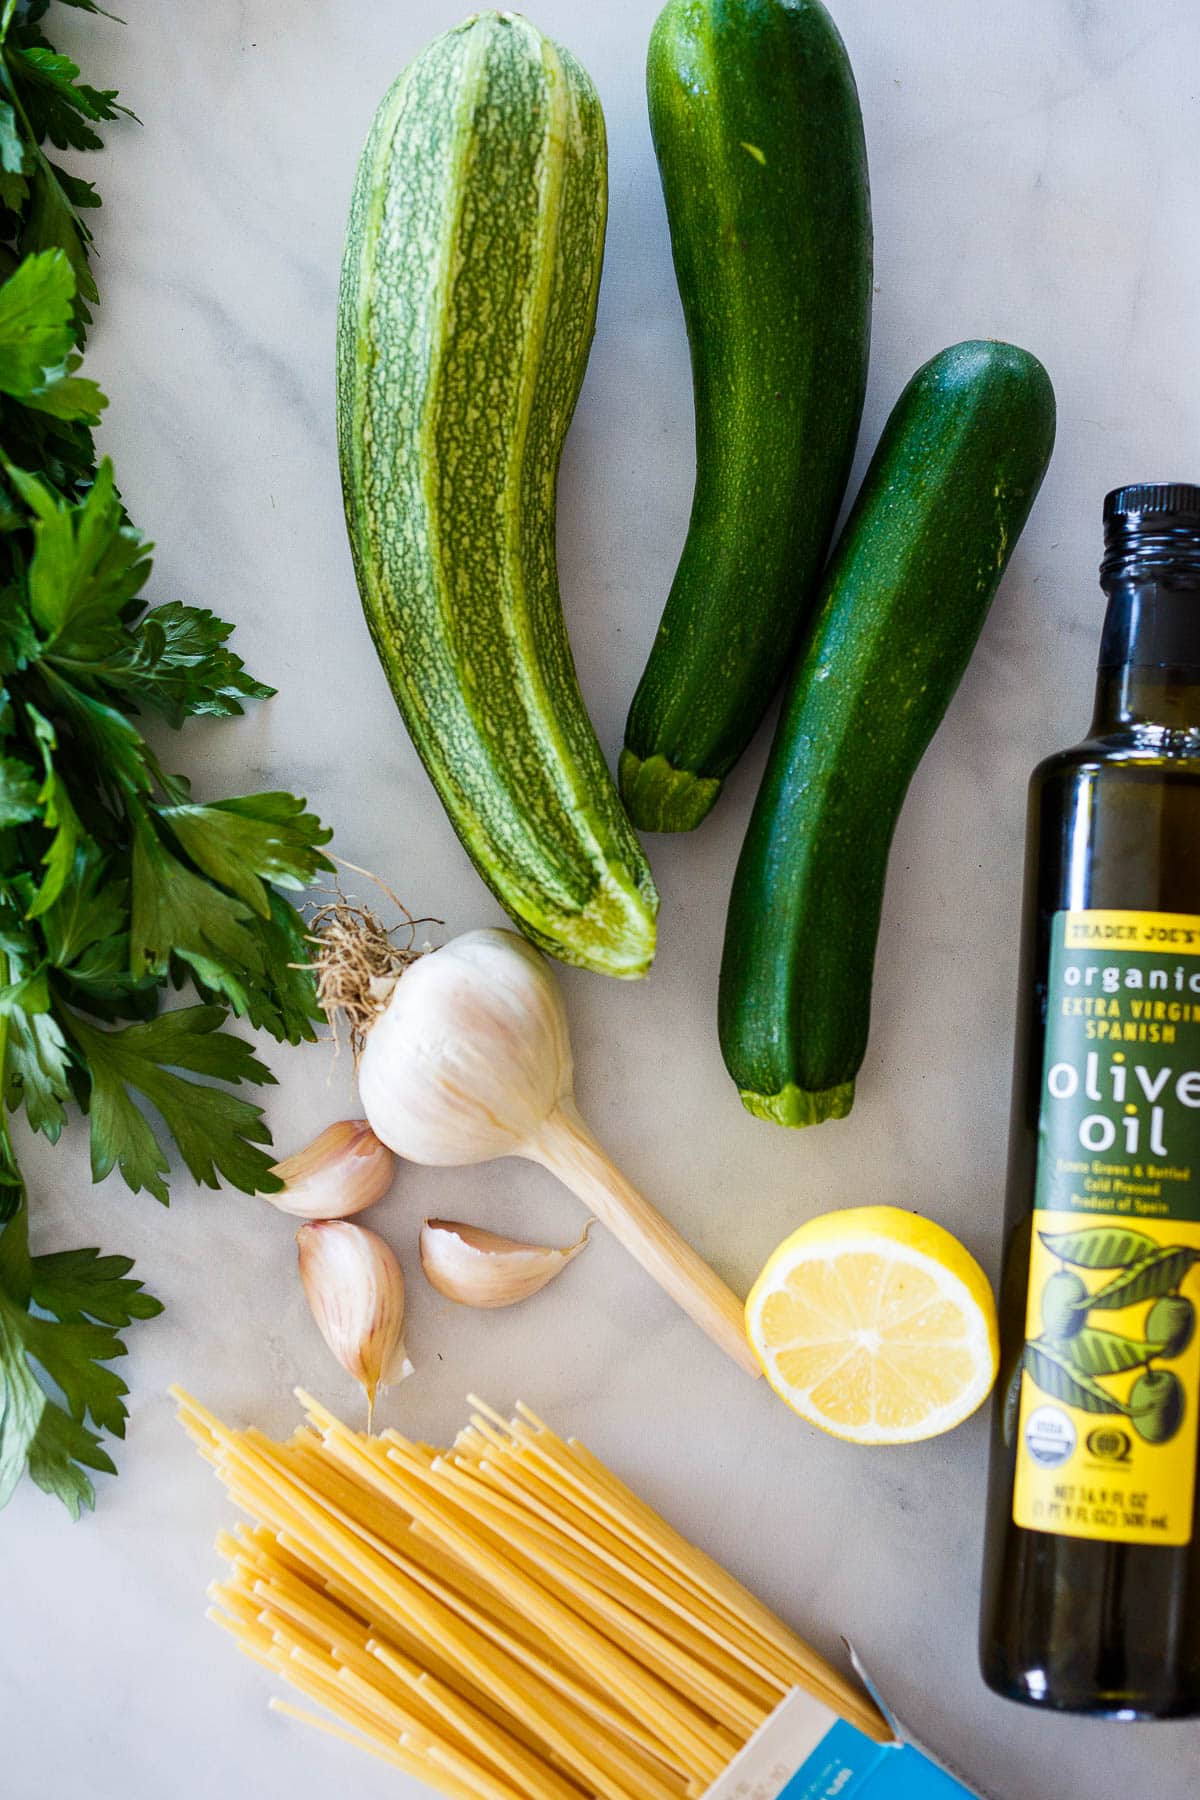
341, 1172
478, 1268
355, 1291
470, 1059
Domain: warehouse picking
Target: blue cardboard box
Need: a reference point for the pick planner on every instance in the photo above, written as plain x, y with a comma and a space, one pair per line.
804, 1752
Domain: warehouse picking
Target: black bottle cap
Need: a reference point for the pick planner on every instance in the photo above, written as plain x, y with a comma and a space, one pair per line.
1151, 573
1151, 525
1176, 497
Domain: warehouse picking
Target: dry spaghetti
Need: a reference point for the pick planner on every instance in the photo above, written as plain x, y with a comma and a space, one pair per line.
504, 1620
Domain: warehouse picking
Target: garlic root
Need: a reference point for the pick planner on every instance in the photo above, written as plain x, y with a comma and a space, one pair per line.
478, 1268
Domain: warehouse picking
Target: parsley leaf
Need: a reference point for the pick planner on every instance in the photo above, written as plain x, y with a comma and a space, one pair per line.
18, 792
56, 103
38, 1067
83, 1299
280, 999
18, 640
62, 449
217, 1133
113, 753
58, 1452
88, 564
178, 913
53, 222
180, 664
79, 1284
37, 336
86, 940
43, 101
116, 884
58, 817
72, 1355
244, 843
36, 333
35, 1432
14, 189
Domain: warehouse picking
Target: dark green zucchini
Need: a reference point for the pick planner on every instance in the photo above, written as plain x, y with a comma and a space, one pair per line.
902, 605
760, 147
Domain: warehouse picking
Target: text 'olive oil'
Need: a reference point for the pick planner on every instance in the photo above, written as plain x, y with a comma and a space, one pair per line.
1092, 1573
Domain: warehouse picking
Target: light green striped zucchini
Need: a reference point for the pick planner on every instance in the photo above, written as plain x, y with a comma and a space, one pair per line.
468, 302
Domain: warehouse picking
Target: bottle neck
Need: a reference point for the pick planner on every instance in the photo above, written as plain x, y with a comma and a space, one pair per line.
1149, 675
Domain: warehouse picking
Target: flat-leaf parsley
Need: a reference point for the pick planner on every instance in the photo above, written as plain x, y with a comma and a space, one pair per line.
116, 884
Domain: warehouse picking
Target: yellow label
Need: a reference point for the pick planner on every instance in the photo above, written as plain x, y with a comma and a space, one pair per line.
1107, 1399
1171, 934
1105, 1450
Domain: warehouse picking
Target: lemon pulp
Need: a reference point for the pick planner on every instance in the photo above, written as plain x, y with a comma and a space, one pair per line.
876, 1325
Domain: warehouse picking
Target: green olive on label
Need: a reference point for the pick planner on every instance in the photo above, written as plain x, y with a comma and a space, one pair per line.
1170, 1324
1156, 1405
1062, 1313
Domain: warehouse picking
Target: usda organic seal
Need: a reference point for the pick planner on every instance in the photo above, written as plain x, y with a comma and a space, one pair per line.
1049, 1436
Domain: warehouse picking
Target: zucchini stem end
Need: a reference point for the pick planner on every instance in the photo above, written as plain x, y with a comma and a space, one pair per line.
796, 1106
660, 797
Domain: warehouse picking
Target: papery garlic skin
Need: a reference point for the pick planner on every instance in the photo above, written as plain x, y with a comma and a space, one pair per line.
477, 1268
470, 1060
343, 1171
355, 1291
471, 1054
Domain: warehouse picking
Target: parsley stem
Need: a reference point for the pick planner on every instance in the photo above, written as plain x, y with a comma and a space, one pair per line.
12, 1188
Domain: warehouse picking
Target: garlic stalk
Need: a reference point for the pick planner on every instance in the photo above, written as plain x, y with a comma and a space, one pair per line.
477, 1268
470, 1059
341, 1172
355, 1290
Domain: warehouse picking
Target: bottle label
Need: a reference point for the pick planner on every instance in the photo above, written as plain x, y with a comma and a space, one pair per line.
1109, 1385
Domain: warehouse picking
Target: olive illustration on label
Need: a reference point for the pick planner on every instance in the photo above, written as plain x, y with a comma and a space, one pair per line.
1082, 1346
1170, 1324
1063, 1314
1156, 1405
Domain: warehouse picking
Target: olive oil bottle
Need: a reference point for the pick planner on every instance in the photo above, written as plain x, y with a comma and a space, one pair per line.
1092, 1571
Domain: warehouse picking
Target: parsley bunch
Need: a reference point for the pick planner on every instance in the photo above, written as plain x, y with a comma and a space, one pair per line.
115, 884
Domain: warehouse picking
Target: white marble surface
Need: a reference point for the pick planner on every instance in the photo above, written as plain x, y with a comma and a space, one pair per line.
1033, 168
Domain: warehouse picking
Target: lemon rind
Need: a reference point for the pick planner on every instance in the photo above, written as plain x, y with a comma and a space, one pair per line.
982, 1341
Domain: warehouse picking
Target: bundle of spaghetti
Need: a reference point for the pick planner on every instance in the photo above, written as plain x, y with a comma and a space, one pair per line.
505, 1620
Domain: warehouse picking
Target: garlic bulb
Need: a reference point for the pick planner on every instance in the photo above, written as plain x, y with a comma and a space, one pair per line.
355, 1290
477, 1268
470, 1059
341, 1172
470, 1056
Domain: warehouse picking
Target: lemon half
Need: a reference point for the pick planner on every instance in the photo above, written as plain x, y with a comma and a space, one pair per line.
876, 1325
